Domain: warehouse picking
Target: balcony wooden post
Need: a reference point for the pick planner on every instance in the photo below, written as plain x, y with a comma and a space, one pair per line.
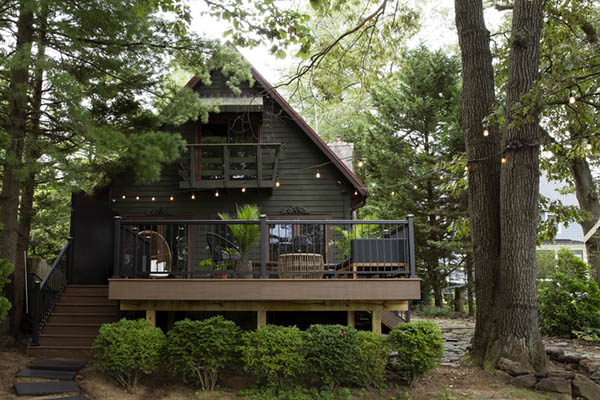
411, 243
259, 165
351, 319
226, 165
151, 317
261, 318
376, 321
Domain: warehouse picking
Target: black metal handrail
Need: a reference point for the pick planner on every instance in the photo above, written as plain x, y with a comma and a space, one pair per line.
45, 296
333, 248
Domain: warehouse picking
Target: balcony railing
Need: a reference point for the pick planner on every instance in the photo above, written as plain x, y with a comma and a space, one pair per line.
266, 248
234, 165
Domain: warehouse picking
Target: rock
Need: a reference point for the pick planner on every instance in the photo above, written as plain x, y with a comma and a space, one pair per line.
526, 381
541, 375
571, 358
589, 366
586, 388
554, 384
512, 367
572, 367
554, 353
561, 373
596, 376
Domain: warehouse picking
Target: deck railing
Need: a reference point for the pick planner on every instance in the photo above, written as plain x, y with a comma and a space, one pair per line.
45, 296
265, 248
233, 165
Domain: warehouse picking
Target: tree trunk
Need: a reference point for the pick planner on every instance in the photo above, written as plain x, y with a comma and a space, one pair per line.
16, 125
517, 334
470, 283
588, 201
436, 286
476, 102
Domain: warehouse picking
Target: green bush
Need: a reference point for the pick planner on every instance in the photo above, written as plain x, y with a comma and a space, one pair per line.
570, 299
296, 393
371, 359
274, 354
197, 350
127, 350
433, 312
419, 347
332, 353
6, 268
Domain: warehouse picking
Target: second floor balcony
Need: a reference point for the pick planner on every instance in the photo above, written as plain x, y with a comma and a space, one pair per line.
231, 165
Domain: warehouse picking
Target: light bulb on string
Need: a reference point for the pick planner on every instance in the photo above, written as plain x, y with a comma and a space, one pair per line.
216, 193
244, 190
415, 187
467, 168
171, 198
572, 98
442, 177
361, 163
589, 145
123, 197
318, 175
393, 193
504, 160
153, 198
193, 196
137, 197
277, 184
486, 132
356, 192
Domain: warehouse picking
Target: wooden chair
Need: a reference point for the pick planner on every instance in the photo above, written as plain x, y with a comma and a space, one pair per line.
301, 262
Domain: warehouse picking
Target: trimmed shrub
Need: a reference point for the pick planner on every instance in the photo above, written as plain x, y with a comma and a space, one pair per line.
332, 351
433, 311
371, 359
570, 299
274, 354
419, 347
197, 350
127, 350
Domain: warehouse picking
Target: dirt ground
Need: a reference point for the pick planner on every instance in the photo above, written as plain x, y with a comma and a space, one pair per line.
444, 383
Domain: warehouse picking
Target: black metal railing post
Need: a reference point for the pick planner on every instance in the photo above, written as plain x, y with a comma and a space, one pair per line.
69, 269
411, 244
264, 242
117, 255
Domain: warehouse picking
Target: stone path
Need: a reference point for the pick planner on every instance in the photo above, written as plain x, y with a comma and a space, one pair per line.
57, 378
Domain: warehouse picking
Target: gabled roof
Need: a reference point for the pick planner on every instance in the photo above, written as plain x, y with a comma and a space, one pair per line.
356, 183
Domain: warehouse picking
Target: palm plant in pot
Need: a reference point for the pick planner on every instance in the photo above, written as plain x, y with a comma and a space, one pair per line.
244, 235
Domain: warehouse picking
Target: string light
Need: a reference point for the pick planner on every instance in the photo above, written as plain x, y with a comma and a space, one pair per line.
193, 196
137, 197
243, 190
504, 160
486, 132
393, 193
356, 192
467, 168
589, 145
361, 163
442, 177
171, 198
572, 99
123, 197
318, 175
216, 193
415, 187
277, 184
153, 198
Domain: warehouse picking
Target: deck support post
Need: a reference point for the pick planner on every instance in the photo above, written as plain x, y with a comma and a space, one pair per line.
261, 318
264, 240
170, 320
376, 321
151, 317
351, 319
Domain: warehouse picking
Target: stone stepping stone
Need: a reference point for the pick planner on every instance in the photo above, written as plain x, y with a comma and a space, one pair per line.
44, 388
80, 397
48, 374
59, 365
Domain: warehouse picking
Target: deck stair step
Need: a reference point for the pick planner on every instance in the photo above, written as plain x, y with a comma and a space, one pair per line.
390, 319
95, 318
66, 339
68, 329
44, 388
59, 365
48, 374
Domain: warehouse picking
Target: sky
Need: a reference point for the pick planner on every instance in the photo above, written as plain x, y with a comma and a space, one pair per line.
438, 31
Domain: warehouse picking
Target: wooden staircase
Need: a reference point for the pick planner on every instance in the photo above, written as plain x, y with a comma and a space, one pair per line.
74, 322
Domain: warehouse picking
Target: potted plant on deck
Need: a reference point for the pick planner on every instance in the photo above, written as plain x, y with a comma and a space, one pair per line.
244, 235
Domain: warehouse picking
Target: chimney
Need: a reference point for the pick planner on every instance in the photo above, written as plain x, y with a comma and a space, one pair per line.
345, 151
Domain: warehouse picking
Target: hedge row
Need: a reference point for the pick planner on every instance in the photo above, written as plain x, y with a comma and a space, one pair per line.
332, 355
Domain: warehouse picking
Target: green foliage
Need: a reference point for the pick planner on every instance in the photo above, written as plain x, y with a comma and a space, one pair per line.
274, 354
570, 300
127, 350
433, 311
296, 394
332, 353
198, 350
545, 261
6, 268
371, 359
246, 235
419, 347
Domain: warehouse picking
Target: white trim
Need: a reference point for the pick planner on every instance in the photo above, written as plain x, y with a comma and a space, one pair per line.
591, 232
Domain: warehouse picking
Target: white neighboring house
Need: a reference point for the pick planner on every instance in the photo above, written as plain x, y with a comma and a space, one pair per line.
570, 237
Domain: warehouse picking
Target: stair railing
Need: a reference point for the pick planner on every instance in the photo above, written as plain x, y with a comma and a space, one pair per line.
45, 296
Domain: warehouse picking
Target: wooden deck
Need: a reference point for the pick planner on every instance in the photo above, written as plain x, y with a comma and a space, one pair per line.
263, 295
